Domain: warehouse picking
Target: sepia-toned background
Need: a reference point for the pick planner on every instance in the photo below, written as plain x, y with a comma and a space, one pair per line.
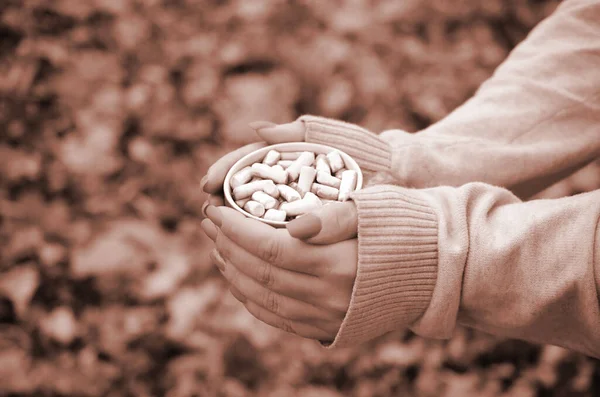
110, 113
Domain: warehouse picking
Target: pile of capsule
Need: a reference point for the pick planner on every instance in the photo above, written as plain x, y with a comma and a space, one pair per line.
289, 184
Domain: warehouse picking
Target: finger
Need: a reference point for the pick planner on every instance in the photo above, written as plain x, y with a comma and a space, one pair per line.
213, 181
217, 260
278, 304
214, 214
281, 133
210, 229
329, 224
214, 200
295, 285
294, 327
274, 246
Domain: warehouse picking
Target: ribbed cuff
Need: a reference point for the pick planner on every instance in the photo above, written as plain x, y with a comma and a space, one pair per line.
369, 150
397, 263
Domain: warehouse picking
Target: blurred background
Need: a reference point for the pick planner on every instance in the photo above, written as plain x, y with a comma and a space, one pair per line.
110, 113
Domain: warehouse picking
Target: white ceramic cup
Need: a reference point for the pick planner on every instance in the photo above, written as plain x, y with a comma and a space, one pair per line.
258, 155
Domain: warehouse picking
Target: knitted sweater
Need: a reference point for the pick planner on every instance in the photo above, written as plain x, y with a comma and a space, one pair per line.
445, 244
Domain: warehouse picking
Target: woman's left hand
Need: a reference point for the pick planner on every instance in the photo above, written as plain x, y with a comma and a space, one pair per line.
302, 288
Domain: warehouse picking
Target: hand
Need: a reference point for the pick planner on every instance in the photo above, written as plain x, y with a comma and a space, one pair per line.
301, 288
212, 182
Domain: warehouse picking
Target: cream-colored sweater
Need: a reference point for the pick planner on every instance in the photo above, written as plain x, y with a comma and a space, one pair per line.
444, 245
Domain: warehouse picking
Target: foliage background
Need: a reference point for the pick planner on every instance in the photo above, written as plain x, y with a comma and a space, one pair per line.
110, 113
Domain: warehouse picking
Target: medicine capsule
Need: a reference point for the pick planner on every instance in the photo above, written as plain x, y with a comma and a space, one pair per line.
327, 179
326, 192
245, 191
272, 157
322, 165
267, 201
275, 215
336, 162
348, 185
309, 203
305, 159
306, 179
338, 174
285, 163
255, 208
242, 202
290, 155
278, 168
288, 193
267, 172
241, 177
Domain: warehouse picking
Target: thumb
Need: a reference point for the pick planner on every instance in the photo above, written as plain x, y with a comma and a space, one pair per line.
279, 133
333, 223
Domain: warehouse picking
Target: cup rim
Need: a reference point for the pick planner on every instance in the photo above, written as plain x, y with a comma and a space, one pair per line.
247, 160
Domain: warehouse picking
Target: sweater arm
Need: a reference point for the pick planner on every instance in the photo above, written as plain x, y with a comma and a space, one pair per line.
371, 152
476, 255
534, 122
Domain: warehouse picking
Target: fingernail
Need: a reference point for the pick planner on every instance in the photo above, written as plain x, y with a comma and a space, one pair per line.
257, 125
305, 227
210, 229
217, 260
204, 207
214, 214
203, 182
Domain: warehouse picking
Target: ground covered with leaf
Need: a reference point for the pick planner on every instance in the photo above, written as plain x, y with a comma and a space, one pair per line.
110, 113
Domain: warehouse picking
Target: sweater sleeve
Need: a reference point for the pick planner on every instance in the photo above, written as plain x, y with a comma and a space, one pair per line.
535, 121
476, 255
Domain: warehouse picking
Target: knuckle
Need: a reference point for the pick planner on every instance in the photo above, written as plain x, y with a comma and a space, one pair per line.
271, 302
265, 275
270, 250
286, 325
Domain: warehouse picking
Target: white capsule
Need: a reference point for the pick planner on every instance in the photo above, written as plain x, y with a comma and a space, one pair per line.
285, 163
288, 193
271, 190
326, 178
255, 208
322, 164
242, 203
325, 192
268, 172
335, 161
277, 167
348, 185
272, 157
309, 203
306, 179
267, 201
290, 155
294, 185
245, 191
275, 215
338, 174
305, 159
241, 177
